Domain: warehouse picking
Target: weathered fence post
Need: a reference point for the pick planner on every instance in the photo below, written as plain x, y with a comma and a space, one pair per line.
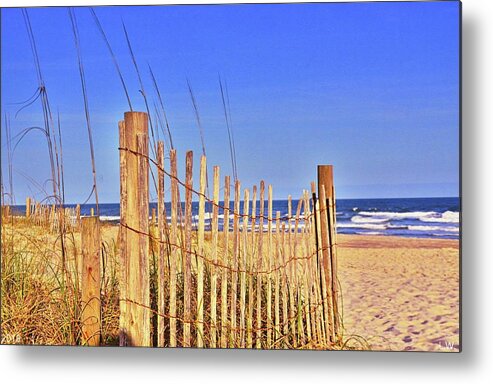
28, 207
77, 214
277, 281
161, 217
225, 261
174, 249
213, 271
123, 233
234, 273
326, 194
5, 212
243, 266
91, 281
200, 260
137, 322
251, 266
187, 257
258, 331
269, 267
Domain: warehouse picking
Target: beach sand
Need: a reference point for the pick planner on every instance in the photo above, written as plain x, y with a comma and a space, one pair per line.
400, 293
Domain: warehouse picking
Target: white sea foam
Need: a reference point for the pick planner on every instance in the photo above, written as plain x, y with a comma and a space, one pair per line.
363, 226
446, 217
432, 228
363, 220
207, 216
374, 233
109, 218
399, 215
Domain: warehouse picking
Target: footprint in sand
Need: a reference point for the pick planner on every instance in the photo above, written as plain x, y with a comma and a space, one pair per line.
407, 339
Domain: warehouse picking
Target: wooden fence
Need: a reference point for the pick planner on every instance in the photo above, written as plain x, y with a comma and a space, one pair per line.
235, 275
49, 216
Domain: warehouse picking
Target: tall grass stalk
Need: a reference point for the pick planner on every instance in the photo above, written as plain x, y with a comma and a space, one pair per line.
161, 103
113, 57
227, 117
75, 31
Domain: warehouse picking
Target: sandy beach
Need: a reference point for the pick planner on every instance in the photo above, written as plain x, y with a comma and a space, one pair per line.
401, 293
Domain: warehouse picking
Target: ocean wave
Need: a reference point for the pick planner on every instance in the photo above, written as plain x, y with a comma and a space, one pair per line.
381, 227
432, 228
373, 233
384, 227
399, 215
453, 235
446, 217
109, 218
370, 220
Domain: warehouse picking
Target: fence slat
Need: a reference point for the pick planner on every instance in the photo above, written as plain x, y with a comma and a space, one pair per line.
284, 285
215, 225
200, 261
144, 272
225, 261
187, 265
298, 277
161, 219
277, 281
291, 275
335, 282
258, 336
269, 267
173, 260
251, 269
244, 256
307, 270
235, 264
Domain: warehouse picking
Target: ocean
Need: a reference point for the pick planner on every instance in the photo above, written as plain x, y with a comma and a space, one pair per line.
410, 217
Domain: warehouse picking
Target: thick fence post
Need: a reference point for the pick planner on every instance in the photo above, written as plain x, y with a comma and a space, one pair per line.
91, 281
326, 193
137, 323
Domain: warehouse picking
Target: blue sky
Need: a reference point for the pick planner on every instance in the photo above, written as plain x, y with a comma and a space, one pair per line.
372, 88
